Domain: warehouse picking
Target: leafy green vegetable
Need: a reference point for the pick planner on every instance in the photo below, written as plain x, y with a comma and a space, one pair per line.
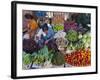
58, 27
72, 35
80, 36
38, 59
58, 59
27, 59
41, 56
86, 40
71, 46
83, 42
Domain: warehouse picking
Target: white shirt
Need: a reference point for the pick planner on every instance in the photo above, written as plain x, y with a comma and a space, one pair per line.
40, 32
26, 36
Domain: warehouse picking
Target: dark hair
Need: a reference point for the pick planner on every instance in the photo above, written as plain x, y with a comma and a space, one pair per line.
50, 21
28, 16
44, 27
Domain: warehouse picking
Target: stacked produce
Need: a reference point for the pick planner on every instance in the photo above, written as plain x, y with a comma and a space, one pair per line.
39, 57
27, 58
70, 25
58, 21
60, 34
78, 49
77, 52
58, 27
79, 58
77, 40
70, 43
58, 59
86, 40
57, 56
72, 35
61, 42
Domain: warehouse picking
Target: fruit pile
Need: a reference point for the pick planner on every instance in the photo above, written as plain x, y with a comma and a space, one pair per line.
79, 58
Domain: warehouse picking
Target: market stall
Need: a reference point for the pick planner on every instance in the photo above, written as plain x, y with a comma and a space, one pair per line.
56, 39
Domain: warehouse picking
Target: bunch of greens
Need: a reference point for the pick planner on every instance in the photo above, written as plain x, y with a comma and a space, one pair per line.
84, 41
72, 35
41, 56
27, 58
37, 57
58, 59
58, 27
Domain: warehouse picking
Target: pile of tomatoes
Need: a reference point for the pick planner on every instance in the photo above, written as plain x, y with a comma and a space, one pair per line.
79, 58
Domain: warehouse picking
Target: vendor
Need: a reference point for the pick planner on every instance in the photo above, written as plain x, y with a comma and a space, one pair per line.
49, 33
31, 25
45, 34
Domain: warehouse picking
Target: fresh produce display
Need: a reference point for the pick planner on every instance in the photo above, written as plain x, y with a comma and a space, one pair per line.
86, 40
58, 59
72, 35
59, 40
41, 56
71, 47
70, 25
27, 59
58, 27
60, 34
79, 58
38, 59
83, 42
